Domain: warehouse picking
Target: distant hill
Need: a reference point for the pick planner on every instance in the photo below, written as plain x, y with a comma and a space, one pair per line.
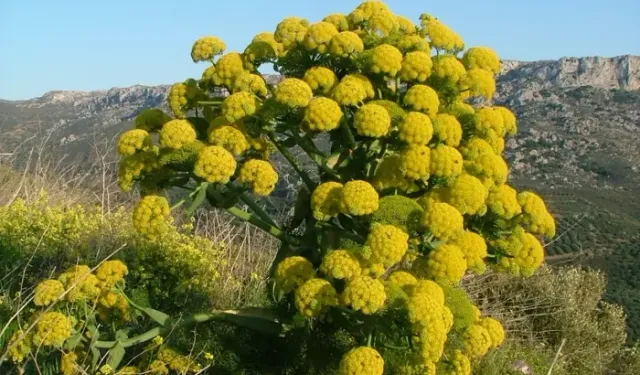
578, 144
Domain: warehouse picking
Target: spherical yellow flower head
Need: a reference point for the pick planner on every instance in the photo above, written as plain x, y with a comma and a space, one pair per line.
447, 262
416, 162
47, 292
80, 283
341, 265
263, 47
406, 26
418, 366
293, 92
108, 299
131, 167
207, 75
382, 23
322, 114
19, 347
252, 83
320, 79
259, 175
416, 67
410, 43
151, 214
110, 272
132, 141
366, 10
291, 31
177, 99
238, 105
447, 129
496, 142
447, 318
477, 314
325, 200
52, 329
422, 98
228, 137
366, 83
387, 244
524, 253
448, 69
535, 214
458, 364
177, 133
372, 120
68, 363
482, 58
486, 119
338, 20
401, 279
358, 198
495, 331
477, 82
503, 201
319, 35
228, 68
214, 164
314, 297
293, 272
431, 337
474, 248
477, 341
446, 161
416, 129
350, 92
442, 37
430, 289
442, 220
364, 294
459, 108
467, 194
390, 174
345, 44
374, 270
385, 59
362, 360
206, 48
158, 367
509, 120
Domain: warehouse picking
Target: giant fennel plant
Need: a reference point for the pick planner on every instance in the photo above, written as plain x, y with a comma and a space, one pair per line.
410, 194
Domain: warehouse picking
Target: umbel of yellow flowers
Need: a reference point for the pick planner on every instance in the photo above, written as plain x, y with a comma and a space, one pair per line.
412, 193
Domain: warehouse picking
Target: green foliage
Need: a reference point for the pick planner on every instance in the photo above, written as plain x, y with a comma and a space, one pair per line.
400, 211
461, 306
512, 357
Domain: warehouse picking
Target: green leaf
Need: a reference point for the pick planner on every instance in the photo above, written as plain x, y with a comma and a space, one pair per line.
436, 244
155, 315
115, 356
122, 334
73, 341
301, 209
260, 319
197, 201
95, 357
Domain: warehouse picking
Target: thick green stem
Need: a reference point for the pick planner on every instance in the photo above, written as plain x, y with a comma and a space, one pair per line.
258, 210
293, 161
319, 160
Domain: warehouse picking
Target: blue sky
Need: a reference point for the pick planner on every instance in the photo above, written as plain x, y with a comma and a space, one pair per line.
88, 45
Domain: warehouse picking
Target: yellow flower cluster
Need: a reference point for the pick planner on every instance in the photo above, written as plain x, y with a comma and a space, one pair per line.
338, 20
447, 129
535, 214
259, 175
110, 272
177, 99
251, 83
442, 220
415, 162
133, 141
387, 244
320, 79
215, 164
325, 200
524, 252
416, 66
422, 98
364, 294
401, 279
448, 69
291, 31
20, 346
509, 120
52, 329
322, 114
477, 341
467, 194
362, 360
293, 272
477, 82
446, 161
446, 263
293, 92
319, 35
358, 198
314, 297
206, 48
474, 248
238, 105
229, 138
482, 58
385, 59
441, 36
372, 120
228, 68
416, 129
345, 44
262, 48
458, 365
503, 201
47, 292
150, 215
80, 283
177, 133
495, 330
341, 265
68, 363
